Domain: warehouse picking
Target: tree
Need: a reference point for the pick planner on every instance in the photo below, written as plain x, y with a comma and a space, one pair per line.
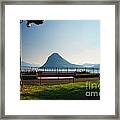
30, 22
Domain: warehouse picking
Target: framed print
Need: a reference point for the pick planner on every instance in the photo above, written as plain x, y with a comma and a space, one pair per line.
60, 60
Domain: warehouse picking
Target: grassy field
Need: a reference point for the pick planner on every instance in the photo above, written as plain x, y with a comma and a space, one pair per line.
57, 81
86, 90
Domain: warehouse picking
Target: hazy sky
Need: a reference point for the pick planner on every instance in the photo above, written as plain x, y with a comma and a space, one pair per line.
78, 41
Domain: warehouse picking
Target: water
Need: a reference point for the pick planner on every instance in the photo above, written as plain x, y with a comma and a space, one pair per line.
90, 70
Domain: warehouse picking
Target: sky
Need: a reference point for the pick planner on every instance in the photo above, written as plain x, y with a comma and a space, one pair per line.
77, 41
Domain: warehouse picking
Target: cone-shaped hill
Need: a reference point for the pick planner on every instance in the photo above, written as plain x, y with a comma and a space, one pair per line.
56, 61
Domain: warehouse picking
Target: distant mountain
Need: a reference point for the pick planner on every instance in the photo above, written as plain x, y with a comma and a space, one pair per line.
87, 65
25, 64
56, 61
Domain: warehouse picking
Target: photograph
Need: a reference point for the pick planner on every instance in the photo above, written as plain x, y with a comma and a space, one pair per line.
59, 59
58, 55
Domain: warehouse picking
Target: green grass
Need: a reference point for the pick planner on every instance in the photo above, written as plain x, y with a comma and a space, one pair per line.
70, 91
